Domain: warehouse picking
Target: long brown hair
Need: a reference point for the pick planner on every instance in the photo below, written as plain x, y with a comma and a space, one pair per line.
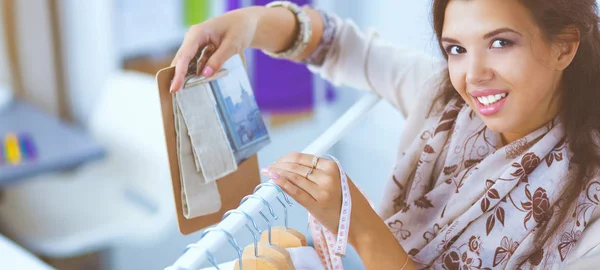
580, 92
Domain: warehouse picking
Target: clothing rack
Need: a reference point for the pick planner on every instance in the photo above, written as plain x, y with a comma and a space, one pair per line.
194, 256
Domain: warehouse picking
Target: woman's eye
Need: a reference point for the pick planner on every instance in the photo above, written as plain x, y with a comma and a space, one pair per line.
455, 50
500, 43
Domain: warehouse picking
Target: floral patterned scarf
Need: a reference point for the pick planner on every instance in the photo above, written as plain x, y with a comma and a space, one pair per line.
458, 199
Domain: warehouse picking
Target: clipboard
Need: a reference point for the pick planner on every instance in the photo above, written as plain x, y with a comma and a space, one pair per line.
232, 187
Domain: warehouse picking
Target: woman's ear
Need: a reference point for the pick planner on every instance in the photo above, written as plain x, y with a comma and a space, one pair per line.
566, 45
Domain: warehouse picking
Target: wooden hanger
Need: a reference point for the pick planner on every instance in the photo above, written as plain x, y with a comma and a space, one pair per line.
276, 252
284, 237
256, 256
252, 261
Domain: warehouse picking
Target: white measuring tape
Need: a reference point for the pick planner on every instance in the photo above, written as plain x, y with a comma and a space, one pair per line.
330, 247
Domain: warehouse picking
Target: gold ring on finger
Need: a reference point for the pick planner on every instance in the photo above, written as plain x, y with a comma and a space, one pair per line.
309, 171
314, 161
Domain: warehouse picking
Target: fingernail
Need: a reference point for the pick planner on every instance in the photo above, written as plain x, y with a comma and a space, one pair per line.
264, 171
207, 72
171, 89
274, 175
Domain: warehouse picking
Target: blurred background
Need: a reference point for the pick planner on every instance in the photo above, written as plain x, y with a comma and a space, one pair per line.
84, 179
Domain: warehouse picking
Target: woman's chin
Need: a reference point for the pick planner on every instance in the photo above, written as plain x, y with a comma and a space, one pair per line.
498, 124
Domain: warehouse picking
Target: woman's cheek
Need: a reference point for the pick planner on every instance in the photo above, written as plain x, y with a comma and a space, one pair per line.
457, 78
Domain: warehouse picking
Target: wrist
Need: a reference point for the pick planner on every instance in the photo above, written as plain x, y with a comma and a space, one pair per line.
377, 246
362, 234
275, 28
302, 31
259, 14
364, 227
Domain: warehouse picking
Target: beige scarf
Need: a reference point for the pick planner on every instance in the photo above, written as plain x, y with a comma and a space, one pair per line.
459, 200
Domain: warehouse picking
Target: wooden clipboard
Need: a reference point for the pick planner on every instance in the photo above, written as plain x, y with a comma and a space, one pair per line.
232, 187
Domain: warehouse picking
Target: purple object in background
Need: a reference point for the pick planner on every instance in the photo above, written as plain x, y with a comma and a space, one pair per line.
28, 147
233, 4
280, 85
330, 94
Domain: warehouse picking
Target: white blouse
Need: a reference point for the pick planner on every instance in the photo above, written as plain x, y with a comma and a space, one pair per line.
406, 78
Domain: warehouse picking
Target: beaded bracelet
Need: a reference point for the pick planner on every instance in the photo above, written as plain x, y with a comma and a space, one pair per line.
304, 35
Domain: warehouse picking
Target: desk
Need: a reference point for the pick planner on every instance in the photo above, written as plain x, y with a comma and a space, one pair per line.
57, 145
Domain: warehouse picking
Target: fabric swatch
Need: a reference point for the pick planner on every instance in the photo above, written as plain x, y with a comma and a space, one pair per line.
213, 154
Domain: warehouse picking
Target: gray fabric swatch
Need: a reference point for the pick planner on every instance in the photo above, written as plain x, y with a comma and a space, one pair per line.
210, 145
198, 197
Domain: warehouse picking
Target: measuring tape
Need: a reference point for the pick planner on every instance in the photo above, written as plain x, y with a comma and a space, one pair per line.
330, 247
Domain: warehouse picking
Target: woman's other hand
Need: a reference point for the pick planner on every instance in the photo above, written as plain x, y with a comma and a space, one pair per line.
320, 192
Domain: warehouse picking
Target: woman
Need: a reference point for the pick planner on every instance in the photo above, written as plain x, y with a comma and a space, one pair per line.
497, 166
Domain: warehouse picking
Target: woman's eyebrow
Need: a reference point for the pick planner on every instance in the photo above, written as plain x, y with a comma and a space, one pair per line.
486, 36
500, 31
450, 40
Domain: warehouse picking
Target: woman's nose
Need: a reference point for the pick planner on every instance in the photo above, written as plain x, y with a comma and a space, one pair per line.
478, 71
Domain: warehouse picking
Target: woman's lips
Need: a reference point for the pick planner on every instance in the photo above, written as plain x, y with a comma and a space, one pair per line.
489, 101
490, 108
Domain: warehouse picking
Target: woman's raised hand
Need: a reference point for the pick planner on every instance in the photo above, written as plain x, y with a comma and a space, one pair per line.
230, 34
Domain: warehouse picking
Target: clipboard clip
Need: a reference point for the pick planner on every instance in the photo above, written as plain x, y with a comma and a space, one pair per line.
193, 80
192, 77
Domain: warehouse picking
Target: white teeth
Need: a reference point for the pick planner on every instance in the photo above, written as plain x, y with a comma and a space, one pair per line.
491, 99
485, 100
481, 100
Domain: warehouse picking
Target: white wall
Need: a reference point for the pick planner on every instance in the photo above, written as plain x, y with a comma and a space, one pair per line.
89, 51
98, 35
146, 26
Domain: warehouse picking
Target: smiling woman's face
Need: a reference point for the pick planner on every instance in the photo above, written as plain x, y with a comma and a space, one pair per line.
501, 64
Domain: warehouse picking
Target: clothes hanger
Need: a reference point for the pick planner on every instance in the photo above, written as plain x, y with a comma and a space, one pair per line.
211, 258
284, 237
277, 252
262, 259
